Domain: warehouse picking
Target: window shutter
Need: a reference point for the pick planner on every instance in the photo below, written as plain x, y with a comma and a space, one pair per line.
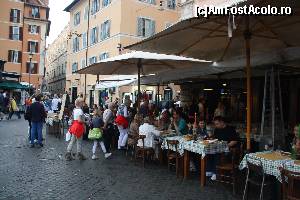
153, 2
97, 34
102, 32
9, 56
108, 28
19, 56
29, 28
27, 67
140, 26
35, 68
11, 15
152, 27
21, 33
30, 12
28, 48
19, 15
36, 47
11, 32
38, 29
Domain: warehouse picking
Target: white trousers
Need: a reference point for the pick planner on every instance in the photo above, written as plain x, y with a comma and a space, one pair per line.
101, 143
123, 137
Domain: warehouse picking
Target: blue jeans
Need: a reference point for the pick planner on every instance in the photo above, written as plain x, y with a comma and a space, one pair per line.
36, 129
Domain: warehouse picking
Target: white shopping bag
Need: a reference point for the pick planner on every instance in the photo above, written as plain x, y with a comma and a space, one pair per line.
68, 136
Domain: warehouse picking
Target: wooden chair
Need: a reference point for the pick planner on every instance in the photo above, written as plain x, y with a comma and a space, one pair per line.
256, 176
143, 152
290, 184
174, 157
131, 144
227, 171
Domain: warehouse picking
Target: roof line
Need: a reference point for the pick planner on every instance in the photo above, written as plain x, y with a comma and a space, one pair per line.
69, 7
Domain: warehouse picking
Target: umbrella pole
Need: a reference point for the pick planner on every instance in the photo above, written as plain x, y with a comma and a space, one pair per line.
139, 66
247, 36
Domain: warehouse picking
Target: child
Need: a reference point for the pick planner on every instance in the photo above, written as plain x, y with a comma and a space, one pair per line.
77, 129
97, 124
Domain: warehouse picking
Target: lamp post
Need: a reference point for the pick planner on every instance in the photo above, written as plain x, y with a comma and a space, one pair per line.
30, 68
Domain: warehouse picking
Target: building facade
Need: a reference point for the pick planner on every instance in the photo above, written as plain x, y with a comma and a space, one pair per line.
100, 28
56, 63
24, 28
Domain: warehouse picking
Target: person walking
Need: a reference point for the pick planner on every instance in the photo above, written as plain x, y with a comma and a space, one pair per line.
76, 130
37, 116
96, 126
13, 108
108, 128
122, 123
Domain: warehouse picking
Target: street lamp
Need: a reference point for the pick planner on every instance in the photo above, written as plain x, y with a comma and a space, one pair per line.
30, 67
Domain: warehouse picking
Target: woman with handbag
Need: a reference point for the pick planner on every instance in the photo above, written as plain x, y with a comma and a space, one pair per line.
77, 129
95, 134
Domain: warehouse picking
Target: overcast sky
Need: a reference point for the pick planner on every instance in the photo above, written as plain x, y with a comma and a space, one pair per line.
59, 18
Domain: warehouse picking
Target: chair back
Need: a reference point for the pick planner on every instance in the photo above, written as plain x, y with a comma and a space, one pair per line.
290, 184
142, 137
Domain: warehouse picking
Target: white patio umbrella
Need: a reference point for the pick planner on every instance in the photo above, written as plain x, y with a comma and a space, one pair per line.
116, 81
221, 38
138, 62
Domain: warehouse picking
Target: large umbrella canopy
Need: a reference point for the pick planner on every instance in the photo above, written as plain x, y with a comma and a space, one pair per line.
126, 64
145, 63
209, 38
222, 38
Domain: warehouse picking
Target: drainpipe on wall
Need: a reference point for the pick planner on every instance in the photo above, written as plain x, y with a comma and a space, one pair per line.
87, 48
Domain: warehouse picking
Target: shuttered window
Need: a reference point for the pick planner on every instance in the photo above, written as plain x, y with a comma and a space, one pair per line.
171, 4
31, 68
33, 47
148, 1
103, 56
95, 6
75, 44
74, 67
94, 35
15, 33
105, 2
145, 27
33, 29
105, 30
93, 60
84, 40
14, 56
77, 19
15, 15
35, 12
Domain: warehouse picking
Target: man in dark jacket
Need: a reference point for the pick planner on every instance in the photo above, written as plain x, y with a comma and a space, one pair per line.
37, 115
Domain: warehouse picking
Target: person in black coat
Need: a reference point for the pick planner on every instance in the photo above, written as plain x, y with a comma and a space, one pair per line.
37, 115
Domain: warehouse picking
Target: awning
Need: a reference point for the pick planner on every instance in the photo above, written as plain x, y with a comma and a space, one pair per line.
12, 85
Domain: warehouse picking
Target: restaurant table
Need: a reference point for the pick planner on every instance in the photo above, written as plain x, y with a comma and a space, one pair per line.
271, 162
202, 148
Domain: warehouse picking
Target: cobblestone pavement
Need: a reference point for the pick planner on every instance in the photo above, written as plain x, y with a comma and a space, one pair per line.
42, 173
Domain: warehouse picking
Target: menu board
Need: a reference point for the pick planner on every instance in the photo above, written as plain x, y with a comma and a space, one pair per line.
62, 107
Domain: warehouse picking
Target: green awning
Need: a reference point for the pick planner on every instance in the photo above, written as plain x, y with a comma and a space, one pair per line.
12, 85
